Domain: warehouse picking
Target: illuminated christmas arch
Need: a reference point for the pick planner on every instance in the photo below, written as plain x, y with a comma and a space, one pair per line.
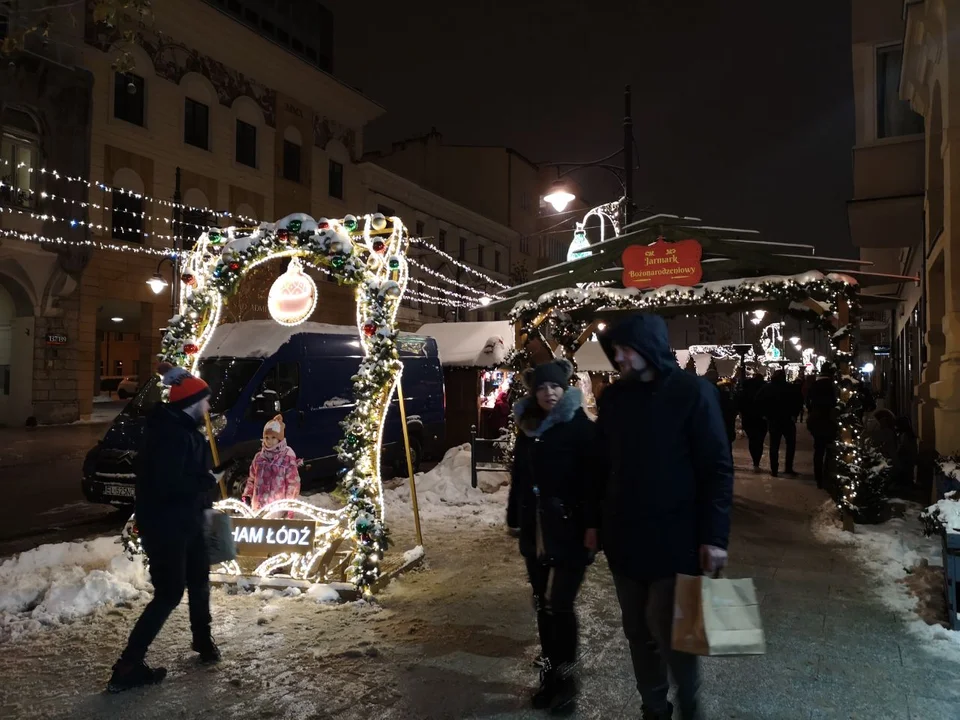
368, 253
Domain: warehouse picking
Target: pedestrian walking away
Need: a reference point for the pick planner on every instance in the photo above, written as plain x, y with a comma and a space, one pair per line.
661, 500
821, 410
549, 491
174, 488
781, 403
751, 416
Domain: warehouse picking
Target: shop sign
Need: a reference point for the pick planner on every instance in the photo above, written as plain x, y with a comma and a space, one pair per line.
260, 537
662, 263
56, 338
881, 350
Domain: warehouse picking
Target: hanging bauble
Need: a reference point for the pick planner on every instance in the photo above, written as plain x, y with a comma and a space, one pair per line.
350, 222
351, 440
339, 261
189, 279
378, 222
215, 237
379, 246
394, 263
369, 329
191, 348
283, 236
293, 296
323, 224
218, 270
297, 223
234, 266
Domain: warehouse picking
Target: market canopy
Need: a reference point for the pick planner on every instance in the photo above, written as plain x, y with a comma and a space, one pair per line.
727, 254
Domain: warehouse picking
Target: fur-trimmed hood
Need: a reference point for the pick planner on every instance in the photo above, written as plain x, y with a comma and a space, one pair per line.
562, 412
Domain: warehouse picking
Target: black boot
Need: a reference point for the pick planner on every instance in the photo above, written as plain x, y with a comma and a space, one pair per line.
566, 690
209, 652
129, 675
544, 696
648, 714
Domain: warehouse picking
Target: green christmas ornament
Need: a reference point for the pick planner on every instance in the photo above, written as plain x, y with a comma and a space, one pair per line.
394, 263
215, 237
339, 261
351, 439
294, 226
350, 222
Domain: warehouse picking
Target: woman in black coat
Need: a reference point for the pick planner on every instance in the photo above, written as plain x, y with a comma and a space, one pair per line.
548, 495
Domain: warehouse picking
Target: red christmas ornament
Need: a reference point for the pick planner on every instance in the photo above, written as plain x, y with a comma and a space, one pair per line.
191, 349
379, 246
283, 235
324, 224
188, 279
234, 266
369, 329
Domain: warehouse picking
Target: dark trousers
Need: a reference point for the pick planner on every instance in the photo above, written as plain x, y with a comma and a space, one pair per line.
788, 432
821, 443
173, 569
554, 592
647, 610
756, 431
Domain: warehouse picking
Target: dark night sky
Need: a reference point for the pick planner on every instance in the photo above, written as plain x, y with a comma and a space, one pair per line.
743, 109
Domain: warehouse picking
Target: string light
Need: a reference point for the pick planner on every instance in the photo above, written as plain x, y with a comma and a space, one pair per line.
444, 278
130, 249
463, 266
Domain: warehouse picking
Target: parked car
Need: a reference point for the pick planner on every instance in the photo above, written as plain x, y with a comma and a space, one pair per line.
127, 388
258, 368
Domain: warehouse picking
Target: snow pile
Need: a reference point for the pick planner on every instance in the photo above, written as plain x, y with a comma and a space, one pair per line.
444, 493
323, 594
52, 584
891, 552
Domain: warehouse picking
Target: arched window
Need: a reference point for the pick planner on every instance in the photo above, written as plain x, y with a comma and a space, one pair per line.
292, 144
199, 97
197, 216
245, 212
249, 126
19, 157
126, 221
130, 88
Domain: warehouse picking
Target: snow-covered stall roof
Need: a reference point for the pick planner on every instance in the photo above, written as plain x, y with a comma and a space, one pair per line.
471, 344
591, 358
262, 338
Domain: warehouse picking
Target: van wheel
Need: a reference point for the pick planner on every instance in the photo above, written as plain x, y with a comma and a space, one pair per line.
236, 478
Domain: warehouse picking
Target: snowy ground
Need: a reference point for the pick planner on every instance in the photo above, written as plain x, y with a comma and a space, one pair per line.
456, 638
910, 567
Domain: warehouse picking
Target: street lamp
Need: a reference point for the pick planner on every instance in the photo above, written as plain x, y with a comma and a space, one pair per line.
158, 283
560, 195
758, 316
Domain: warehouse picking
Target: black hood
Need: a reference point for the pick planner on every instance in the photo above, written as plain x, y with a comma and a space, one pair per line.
645, 333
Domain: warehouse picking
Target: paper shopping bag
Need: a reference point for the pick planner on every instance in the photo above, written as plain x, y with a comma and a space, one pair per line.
717, 616
220, 545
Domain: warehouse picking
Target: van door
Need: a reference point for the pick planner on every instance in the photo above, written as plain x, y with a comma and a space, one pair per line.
282, 382
329, 386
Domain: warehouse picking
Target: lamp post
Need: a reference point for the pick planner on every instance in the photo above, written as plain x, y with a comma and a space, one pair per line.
158, 283
560, 195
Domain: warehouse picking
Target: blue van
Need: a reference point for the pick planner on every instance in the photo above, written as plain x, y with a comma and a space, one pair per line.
258, 368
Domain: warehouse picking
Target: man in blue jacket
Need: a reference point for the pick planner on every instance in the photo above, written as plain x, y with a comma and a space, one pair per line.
174, 488
661, 500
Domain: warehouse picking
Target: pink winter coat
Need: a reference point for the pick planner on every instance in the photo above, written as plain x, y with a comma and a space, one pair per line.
273, 476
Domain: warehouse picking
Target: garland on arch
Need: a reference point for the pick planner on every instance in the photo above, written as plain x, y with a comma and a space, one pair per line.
359, 252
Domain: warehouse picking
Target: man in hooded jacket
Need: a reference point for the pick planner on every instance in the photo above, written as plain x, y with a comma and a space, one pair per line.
661, 500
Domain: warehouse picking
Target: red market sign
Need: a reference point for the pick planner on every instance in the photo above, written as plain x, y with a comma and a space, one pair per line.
662, 263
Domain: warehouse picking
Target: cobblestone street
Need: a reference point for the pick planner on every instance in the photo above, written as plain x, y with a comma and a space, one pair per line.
456, 640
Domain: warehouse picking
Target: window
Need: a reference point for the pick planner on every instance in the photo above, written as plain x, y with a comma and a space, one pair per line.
421, 228
118, 367
442, 240
19, 158
386, 210
128, 98
525, 245
291, 161
894, 116
283, 381
480, 255
246, 144
496, 262
463, 248
194, 223
127, 217
196, 124
335, 179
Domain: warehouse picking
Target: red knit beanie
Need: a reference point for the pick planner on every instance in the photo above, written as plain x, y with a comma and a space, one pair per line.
185, 389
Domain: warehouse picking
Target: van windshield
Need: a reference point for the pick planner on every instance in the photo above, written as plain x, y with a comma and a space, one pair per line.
227, 378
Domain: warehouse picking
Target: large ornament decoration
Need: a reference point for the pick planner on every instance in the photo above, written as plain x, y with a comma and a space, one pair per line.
368, 253
293, 296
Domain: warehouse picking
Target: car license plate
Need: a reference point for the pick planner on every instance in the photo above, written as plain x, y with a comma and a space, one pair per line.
118, 490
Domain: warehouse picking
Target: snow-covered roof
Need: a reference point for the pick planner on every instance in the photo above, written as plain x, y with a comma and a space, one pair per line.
262, 338
591, 358
471, 344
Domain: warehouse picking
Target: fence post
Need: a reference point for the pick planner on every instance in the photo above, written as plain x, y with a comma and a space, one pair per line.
473, 455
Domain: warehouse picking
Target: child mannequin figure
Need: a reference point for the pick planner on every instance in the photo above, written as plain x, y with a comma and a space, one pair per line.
273, 472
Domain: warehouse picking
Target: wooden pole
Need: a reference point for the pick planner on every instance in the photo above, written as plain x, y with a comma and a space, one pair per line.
406, 444
214, 452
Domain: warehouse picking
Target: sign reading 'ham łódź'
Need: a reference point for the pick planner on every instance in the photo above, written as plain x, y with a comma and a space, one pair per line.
663, 263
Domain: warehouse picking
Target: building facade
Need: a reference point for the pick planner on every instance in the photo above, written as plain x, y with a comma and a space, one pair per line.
256, 129
886, 214
929, 82
475, 242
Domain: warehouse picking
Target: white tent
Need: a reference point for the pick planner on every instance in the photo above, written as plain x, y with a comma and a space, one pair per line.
471, 344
